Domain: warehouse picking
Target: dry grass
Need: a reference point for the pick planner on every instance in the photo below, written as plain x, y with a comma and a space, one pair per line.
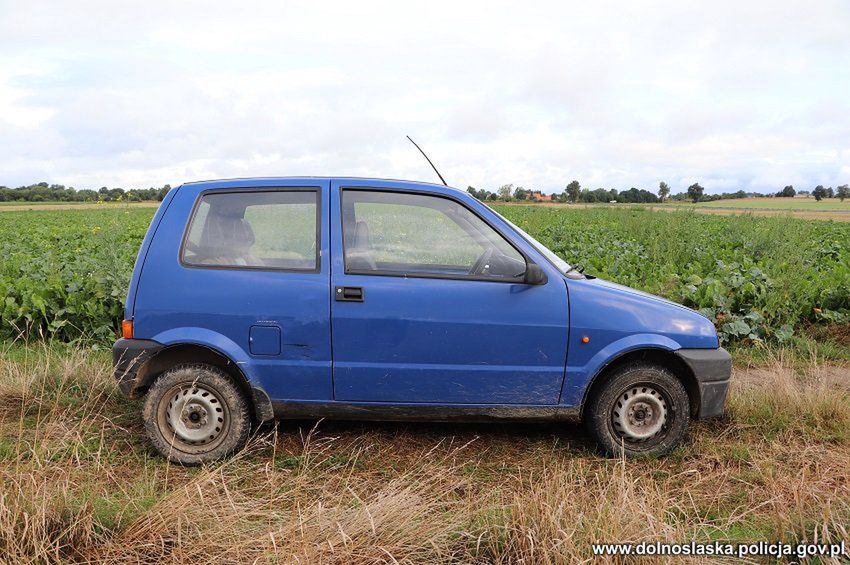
840, 215
78, 482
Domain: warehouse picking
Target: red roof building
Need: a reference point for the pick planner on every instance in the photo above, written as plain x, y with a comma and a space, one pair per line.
540, 197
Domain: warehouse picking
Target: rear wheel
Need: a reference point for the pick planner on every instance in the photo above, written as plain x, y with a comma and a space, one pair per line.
196, 413
642, 409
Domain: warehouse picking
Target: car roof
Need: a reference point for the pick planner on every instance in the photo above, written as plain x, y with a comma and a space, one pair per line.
265, 182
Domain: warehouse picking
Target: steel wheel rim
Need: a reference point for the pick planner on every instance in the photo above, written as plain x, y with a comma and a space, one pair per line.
640, 413
193, 417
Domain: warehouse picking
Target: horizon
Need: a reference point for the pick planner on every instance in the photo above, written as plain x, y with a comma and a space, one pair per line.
749, 194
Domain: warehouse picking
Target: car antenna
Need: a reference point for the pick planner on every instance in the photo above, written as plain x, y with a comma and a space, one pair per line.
429, 161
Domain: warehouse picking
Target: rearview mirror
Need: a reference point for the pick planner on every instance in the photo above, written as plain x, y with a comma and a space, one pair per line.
534, 274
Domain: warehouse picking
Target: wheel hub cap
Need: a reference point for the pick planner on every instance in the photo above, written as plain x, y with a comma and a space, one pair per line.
639, 413
195, 415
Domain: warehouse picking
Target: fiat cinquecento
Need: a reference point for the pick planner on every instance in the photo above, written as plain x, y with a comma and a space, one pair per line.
347, 298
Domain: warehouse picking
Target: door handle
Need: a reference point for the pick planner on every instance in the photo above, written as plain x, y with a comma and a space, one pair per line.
349, 294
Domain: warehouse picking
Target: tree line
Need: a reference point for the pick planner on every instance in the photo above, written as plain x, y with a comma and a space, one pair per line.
43, 192
573, 192
820, 192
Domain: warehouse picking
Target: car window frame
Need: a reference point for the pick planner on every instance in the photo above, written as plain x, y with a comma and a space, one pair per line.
317, 190
417, 274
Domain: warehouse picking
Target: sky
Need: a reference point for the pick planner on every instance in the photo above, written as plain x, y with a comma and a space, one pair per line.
745, 94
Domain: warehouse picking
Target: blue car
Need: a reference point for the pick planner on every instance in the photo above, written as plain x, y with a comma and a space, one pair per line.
350, 298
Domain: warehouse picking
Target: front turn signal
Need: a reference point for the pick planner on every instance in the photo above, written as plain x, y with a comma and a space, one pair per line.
127, 329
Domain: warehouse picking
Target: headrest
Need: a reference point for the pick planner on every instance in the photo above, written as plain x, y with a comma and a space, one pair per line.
228, 232
361, 236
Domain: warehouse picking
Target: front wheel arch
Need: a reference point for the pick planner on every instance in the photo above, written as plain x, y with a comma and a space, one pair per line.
642, 410
662, 357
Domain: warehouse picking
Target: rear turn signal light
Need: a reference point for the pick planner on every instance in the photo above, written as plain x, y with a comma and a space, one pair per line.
127, 329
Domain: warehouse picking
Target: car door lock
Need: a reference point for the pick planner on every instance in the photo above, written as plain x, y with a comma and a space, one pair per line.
349, 294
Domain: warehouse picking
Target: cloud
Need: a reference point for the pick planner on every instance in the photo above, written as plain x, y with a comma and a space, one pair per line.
735, 95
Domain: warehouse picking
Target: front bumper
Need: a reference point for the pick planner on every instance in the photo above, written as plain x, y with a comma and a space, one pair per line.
712, 369
128, 355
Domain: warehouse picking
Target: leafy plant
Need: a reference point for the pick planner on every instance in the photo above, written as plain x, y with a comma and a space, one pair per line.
64, 274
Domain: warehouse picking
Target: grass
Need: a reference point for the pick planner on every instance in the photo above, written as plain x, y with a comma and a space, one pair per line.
79, 483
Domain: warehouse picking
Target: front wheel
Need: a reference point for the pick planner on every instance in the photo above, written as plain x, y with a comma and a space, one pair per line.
642, 410
196, 413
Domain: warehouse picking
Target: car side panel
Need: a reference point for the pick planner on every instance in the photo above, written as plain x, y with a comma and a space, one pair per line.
615, 322
129, 304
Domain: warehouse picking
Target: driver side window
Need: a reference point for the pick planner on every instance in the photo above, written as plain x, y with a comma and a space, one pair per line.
415, 234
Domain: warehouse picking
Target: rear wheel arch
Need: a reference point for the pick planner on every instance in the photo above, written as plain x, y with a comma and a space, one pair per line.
192, 353
196, 413
661, 357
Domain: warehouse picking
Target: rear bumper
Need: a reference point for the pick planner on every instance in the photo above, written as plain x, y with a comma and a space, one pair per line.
712, 369
128, 355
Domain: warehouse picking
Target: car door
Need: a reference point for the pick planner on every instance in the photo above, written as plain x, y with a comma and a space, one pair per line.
429, 304
250, 278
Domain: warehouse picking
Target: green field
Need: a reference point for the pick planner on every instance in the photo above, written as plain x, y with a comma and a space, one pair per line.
757, 278
805, 204
64, 273
18, 203
54, 204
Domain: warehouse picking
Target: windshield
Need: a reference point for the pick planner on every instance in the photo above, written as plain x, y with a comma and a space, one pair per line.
559, 263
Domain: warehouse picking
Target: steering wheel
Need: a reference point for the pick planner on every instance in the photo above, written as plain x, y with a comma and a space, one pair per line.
481, 263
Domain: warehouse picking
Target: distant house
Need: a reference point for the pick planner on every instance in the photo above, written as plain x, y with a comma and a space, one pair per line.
539, 196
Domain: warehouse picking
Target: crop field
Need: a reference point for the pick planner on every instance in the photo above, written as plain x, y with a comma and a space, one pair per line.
757, 278
41, 206
804, 208
808, 203
80, 483
64, 273
800, 208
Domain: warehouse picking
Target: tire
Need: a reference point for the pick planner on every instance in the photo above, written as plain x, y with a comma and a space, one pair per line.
195, 413
641, 410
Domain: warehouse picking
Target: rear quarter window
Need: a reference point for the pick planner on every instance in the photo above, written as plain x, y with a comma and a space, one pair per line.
275, 230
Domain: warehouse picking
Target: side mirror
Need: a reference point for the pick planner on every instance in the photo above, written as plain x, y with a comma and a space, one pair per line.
534, 275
